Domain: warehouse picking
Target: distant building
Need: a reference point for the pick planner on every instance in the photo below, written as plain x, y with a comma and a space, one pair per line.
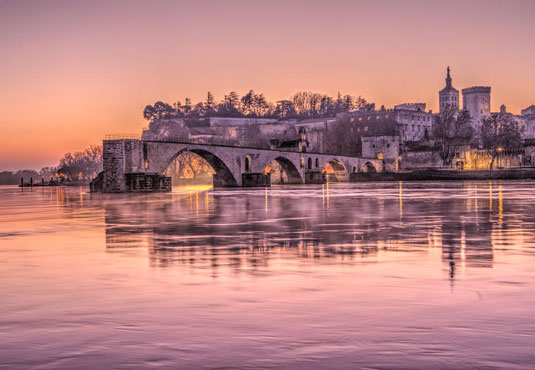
476, 100
382, 147
448, 96
410, 121
528, 117
299, 145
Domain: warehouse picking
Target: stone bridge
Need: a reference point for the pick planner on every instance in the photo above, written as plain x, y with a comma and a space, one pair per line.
132, 165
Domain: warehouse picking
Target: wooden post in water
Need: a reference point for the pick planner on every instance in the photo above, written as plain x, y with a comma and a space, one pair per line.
42, 181
22, 182
31, 182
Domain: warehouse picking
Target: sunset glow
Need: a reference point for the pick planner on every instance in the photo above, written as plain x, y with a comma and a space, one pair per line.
72, 72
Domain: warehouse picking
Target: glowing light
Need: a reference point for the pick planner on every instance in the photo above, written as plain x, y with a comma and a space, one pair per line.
400, 184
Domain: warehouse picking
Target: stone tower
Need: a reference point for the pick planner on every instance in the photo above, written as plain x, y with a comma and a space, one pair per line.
476, 100
448, 96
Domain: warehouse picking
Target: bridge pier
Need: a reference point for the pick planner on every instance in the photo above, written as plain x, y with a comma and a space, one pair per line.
315, 177
255, 180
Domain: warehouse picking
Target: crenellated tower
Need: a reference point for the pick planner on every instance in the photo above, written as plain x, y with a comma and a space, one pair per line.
476, 100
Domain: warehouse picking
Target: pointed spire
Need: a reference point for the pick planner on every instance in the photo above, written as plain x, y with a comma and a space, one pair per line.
448, 78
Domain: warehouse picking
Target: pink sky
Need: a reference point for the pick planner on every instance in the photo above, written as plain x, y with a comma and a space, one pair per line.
73, 71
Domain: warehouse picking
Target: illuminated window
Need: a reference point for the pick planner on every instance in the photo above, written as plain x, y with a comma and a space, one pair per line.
247, 163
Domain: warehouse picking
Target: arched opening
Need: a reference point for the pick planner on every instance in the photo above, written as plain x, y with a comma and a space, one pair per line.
335, 171
247, 164
309, 163
369, 168
355, 169
199, 167
283, 171
317, 162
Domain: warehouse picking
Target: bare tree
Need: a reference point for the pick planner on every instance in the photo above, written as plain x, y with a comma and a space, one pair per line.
452, 130
499, 132
342, 138
83, 165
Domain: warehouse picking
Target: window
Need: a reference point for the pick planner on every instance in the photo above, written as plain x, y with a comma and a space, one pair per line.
247, 163
317, 162
309, 163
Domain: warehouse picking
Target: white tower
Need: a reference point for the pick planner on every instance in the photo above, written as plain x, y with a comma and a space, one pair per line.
448, 96
476, 100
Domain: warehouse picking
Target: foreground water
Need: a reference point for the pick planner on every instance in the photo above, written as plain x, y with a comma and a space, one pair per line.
412, 275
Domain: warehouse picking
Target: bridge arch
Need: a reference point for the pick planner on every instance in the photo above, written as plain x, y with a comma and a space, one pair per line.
335, 171
369, 168
223, 176
283, 171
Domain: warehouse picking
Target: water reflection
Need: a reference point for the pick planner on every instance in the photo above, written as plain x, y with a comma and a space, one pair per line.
393, 275
249, 229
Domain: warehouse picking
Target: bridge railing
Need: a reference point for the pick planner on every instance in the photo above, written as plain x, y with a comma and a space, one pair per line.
212, 141
121, 136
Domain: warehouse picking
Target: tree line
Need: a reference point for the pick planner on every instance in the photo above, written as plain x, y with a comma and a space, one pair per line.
76, 166
301, 105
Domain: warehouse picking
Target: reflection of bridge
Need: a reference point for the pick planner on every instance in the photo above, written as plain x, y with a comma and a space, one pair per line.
132, 165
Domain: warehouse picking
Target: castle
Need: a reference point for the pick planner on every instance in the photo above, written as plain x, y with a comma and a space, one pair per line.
476, 100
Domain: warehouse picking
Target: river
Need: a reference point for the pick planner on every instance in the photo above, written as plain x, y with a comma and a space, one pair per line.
389, 275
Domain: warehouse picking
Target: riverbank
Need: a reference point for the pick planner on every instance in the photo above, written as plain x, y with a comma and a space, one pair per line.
446, 175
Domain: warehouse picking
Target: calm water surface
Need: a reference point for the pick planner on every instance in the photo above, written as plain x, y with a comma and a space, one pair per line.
412, 275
